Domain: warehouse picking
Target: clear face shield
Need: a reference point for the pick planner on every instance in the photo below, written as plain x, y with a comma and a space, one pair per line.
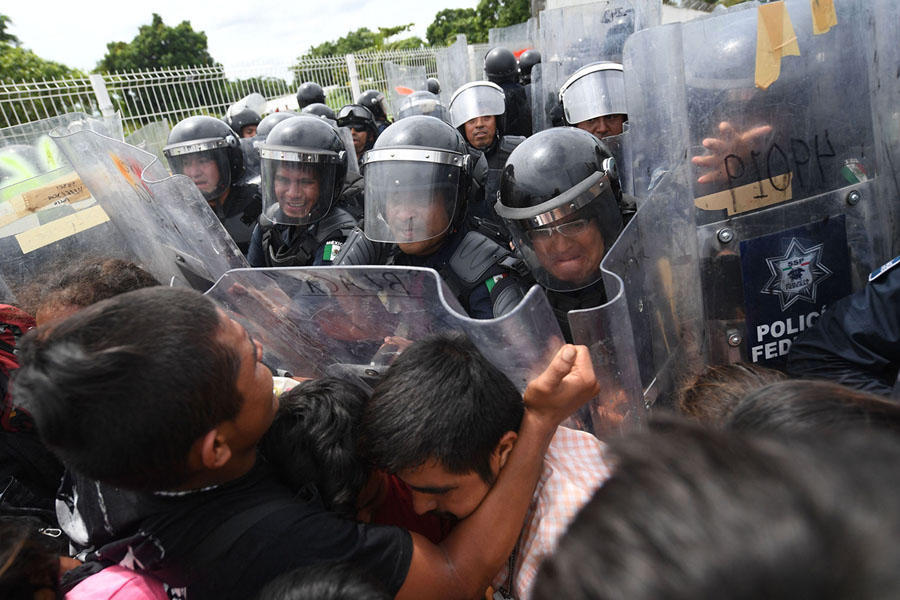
298, 186
411, 193
564, 238
205, 162
476, 99
594, 91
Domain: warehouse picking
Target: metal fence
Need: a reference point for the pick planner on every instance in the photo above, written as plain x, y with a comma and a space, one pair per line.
174, 93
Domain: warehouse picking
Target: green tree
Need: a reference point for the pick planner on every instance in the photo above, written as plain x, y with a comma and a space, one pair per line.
158, 45
452, 21
366, 40
21, 64
6, 37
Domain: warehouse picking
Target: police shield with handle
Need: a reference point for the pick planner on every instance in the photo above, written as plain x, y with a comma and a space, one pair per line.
777, 209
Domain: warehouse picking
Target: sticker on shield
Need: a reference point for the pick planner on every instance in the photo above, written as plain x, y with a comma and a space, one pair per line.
789, 278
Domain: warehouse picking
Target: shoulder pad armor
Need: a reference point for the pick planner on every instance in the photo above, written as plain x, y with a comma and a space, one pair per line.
508, 143
474, 256
884, 268
337, 220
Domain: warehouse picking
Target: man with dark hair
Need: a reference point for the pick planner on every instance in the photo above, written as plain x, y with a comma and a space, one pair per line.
694, 513
449, 441
159, 393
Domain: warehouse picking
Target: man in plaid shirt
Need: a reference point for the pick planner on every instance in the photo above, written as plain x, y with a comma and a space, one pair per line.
449, 439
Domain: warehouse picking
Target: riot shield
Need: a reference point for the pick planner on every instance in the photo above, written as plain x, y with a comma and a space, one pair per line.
774, 169
517, 38
151, 138
574, 36
104, 209
353, 321
403, 80
453, 67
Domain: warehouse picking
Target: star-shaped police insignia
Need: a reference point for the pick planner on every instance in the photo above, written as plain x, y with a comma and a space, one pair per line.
796, 275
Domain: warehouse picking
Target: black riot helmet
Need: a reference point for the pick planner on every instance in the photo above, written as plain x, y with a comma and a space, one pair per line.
527, 60
559, 196
360, 118
320, 109
303, 166
242, 118
310, 93
374, 101
433, 85
500, 65
204, 139
417, 179
270, 121
421, 102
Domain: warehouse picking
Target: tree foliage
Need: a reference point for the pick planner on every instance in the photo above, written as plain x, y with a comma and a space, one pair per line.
6, 37
158, 45
475, 23
366, 40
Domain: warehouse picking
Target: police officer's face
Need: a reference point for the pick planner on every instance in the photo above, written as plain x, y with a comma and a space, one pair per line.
203, 171
605, 126
571, 254
480, 131
360, 137
248, 131
419, 224
296, 188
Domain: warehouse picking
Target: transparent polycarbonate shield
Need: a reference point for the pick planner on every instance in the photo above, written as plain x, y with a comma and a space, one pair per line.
452, 67
422, 103
403, 80
353, 321
350, 149
253, 101
574, 36
141, 214
476, 99
594, 91
773, 148
151, 138
541, 104
516, 38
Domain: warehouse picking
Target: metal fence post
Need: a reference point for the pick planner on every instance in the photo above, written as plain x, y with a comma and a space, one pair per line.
354, 77
106, 106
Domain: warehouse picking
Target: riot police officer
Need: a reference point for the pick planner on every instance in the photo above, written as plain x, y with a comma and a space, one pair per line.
209, 152
243, 122
362, 126
374, 101
593, 99
501, 67
527, 60
417, 179
308, 93
559, 198
304, 164
320, 109
477, 111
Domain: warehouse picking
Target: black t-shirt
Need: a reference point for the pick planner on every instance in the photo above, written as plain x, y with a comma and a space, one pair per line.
226, 541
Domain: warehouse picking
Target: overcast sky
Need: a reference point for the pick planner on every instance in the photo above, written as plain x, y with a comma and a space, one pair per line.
261, 32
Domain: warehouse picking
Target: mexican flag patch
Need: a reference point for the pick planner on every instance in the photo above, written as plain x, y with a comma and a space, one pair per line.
490, 283
332, 249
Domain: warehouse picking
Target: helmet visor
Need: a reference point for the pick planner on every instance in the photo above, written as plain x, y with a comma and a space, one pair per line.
594, 94
410, 200
419, 104
205, 162
564, 239
298, 187
476, 101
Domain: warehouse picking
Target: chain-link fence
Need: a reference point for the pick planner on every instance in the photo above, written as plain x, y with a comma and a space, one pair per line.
173, 93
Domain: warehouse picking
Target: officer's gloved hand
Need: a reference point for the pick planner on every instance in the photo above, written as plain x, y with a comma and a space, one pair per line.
729, 142
360, 250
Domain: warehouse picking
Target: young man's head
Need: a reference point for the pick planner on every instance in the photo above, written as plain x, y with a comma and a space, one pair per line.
444, 420
153, 389
313, 441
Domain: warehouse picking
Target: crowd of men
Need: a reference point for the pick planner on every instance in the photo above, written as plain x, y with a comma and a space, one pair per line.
148, 451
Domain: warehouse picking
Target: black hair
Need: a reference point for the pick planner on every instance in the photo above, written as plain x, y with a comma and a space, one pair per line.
806, 406
94, 280
122, 389
692, 512
313, 441
28, 561
324, 582
441, 400
711, 396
